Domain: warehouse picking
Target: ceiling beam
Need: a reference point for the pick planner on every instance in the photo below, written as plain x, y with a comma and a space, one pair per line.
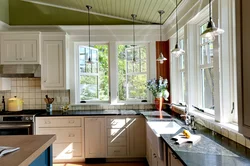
84, 11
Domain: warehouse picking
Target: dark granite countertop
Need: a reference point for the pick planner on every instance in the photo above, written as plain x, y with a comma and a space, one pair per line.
212, 150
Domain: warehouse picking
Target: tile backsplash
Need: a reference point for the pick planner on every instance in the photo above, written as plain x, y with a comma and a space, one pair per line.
29, 89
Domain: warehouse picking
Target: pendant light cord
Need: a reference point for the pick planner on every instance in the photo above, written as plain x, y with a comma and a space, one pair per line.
89, 7
160, 27
133, 37
210, 12
176, 24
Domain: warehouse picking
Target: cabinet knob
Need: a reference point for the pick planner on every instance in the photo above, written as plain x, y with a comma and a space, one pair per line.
174, 155
117, 151
71, 121
71, 135
44, 81
20, 58
47, 122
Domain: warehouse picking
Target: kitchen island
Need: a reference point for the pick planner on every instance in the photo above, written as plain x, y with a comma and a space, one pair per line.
35, 150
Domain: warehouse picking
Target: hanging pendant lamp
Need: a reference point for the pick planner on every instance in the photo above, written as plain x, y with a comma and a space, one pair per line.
211, 30
133, 16
177, 51
89, 55
161, 57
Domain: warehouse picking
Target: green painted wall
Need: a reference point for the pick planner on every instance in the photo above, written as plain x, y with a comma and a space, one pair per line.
4, 11
24, 13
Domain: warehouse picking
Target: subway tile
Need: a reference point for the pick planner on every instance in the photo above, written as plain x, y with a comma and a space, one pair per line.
26, 95
13, 89
240, 139
225, 132
38, 101
217, 129
19, 89
248, 143
25, 83
13, 83
32, 101
38, 95
232, 135
19, 83
26, 89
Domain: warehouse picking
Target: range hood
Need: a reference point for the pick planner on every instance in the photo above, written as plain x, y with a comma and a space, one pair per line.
20, 70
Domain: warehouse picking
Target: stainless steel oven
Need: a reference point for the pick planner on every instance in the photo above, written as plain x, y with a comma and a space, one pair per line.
17, 123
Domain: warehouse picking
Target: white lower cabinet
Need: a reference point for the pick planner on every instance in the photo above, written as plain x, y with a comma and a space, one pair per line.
95, 137
69, 137
172, 159
126, 136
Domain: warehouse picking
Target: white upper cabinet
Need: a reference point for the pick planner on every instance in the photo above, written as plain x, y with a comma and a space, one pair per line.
20, 48
53, 62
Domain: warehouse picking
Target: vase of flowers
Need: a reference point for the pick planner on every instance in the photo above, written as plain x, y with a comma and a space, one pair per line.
159, 90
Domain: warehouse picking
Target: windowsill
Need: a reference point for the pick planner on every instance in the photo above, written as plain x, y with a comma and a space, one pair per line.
229, 126
107, 103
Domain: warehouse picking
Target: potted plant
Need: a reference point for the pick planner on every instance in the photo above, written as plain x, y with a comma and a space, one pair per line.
159, 90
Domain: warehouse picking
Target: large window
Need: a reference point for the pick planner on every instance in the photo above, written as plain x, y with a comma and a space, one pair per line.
132, 73
206, 72
93, 70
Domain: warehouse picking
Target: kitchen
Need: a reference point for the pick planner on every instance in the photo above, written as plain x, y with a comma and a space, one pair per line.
55, 50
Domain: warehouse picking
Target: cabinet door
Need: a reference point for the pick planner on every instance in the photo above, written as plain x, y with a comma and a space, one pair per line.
137, 136
154, 157
243, 58
53, 65
28, 51
172, 159
95, 138
10, 51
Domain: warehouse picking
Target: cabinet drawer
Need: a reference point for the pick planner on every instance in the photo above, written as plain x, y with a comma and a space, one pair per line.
116, 122
58, 122
67, 150
62, 134
117, 151
122, 132
119, 141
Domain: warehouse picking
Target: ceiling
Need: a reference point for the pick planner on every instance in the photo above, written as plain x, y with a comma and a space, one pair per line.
74, 12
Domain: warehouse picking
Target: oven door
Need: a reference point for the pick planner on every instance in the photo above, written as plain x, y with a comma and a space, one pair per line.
16, 129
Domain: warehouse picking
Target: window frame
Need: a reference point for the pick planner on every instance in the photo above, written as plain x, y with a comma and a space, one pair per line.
149, 96
77, 74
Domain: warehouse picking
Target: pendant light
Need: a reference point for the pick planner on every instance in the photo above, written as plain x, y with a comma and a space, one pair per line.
89, 55
177, 51
133, 16
161, 58
211, 30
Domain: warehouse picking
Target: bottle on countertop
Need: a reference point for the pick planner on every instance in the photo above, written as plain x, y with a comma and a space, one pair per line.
3, 104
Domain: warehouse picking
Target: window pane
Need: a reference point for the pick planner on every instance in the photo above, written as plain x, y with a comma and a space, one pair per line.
88, 87
207, 88
94, 80
135, 88
132, 76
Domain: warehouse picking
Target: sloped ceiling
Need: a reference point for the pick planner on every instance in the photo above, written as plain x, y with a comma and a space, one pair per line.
74, 12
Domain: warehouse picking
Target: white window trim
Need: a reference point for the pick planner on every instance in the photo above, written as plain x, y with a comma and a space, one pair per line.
113, 70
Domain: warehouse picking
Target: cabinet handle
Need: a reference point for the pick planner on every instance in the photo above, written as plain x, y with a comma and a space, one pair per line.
154, 155
71, 121
174, 155
20, 58
44, 81
116, 151
71, 135
47, 122
69, 151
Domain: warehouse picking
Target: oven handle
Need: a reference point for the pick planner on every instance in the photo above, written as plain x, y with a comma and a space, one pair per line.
14, 126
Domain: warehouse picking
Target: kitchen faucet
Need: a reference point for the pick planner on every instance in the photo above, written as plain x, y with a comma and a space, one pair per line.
189, 119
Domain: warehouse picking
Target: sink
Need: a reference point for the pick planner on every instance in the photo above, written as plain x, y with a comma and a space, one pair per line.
164, 127
155, 129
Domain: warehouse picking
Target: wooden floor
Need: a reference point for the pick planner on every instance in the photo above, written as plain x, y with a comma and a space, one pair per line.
106, 164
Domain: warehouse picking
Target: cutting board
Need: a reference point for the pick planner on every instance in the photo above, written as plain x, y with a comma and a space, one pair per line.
180, 138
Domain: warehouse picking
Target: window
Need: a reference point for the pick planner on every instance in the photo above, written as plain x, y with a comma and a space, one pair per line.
206, 73
183, 89
93, 79
132, 75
